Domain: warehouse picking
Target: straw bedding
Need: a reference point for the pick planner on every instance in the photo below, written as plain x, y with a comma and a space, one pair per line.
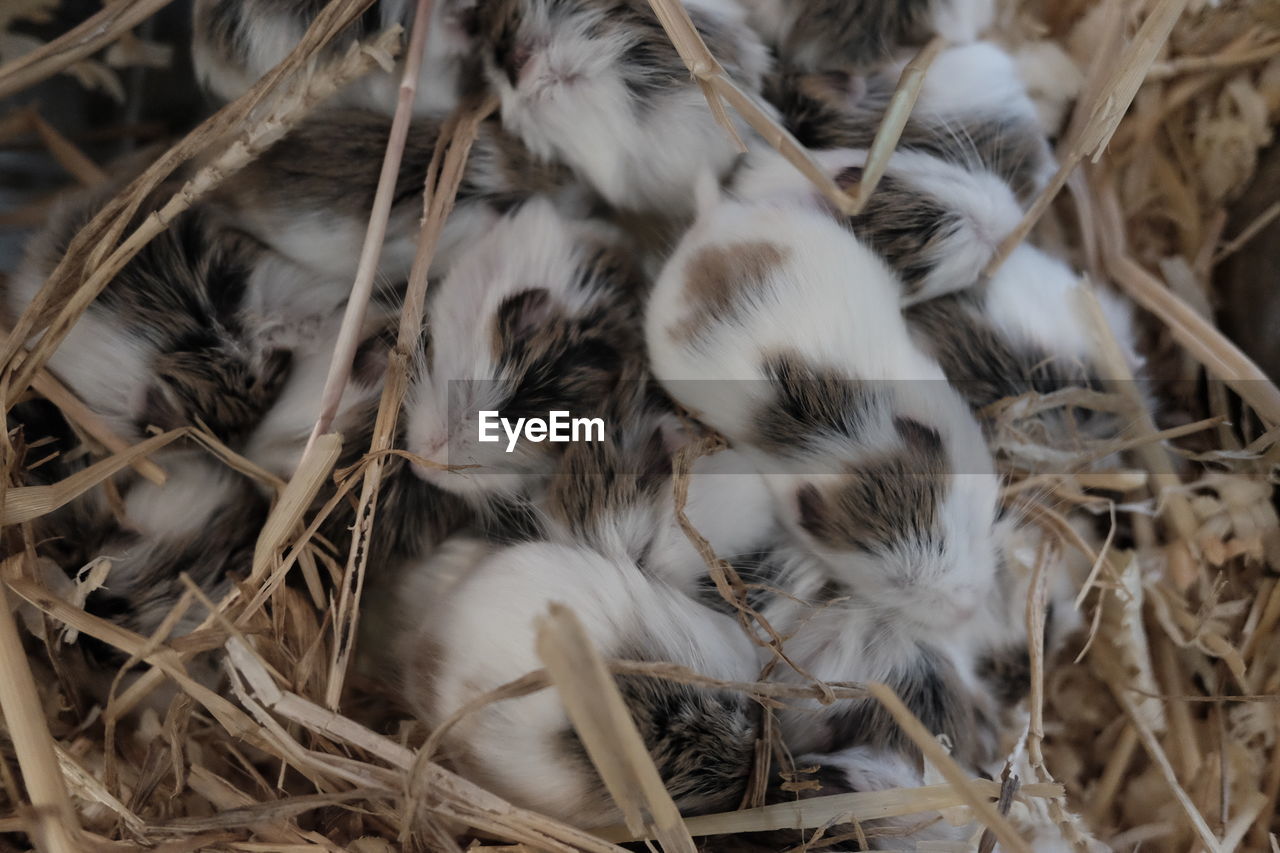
1156, 729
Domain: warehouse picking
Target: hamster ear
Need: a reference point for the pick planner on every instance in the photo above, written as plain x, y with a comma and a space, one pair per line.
161, 409
706, 192
842, 89
522, 314
371, 358
849, 177
812, 509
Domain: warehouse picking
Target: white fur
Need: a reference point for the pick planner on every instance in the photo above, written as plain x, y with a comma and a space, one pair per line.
197, 487
1053, 81
851, 640
980, 82
479, 633
1034, 298
571, 104
978, 78
833, 302
728, 503
987, 207
963, 21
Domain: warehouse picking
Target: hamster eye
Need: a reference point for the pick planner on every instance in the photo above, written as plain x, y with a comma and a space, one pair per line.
812, 508
515, 61
850, 177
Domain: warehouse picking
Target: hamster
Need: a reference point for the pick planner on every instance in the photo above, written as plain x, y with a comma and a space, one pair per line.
195, 330
541, 315
474, 630
935, 223
597, 85
310, 195
1022, 332
775, 326
236, 42
974, 110
822, 35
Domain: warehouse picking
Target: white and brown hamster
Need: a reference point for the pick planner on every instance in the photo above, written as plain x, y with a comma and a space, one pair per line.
935, 223
471, 622
309, 196
236, 42
195, 330
974, 110
540, 315
597, 85
825, 35
772, 324
1024, 331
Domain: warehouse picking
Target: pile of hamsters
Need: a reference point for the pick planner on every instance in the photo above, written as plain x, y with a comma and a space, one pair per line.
612, 254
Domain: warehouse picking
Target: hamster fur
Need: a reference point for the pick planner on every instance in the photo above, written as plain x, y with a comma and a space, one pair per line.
195, 329
236, 42
476, 631
935, 223
598, 85
822, 35
309, 195
974, 110
1024, 331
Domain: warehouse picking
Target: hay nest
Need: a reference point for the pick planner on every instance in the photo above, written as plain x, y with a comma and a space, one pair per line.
1158, 729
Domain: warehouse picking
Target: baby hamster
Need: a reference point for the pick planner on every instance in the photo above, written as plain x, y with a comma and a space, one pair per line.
1021, 332
597, 85
475, 628
775, 326
195, 329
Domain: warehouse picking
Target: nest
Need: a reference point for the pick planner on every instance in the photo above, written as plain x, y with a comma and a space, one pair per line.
1157, 728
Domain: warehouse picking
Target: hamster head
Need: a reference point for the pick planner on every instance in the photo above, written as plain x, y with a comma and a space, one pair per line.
169, 342
903, 528
599, 86
889, 483
532, 320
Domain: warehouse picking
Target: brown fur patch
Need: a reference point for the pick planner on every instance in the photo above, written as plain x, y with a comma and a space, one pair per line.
890, 498
812, 404
720, 277
931, 687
